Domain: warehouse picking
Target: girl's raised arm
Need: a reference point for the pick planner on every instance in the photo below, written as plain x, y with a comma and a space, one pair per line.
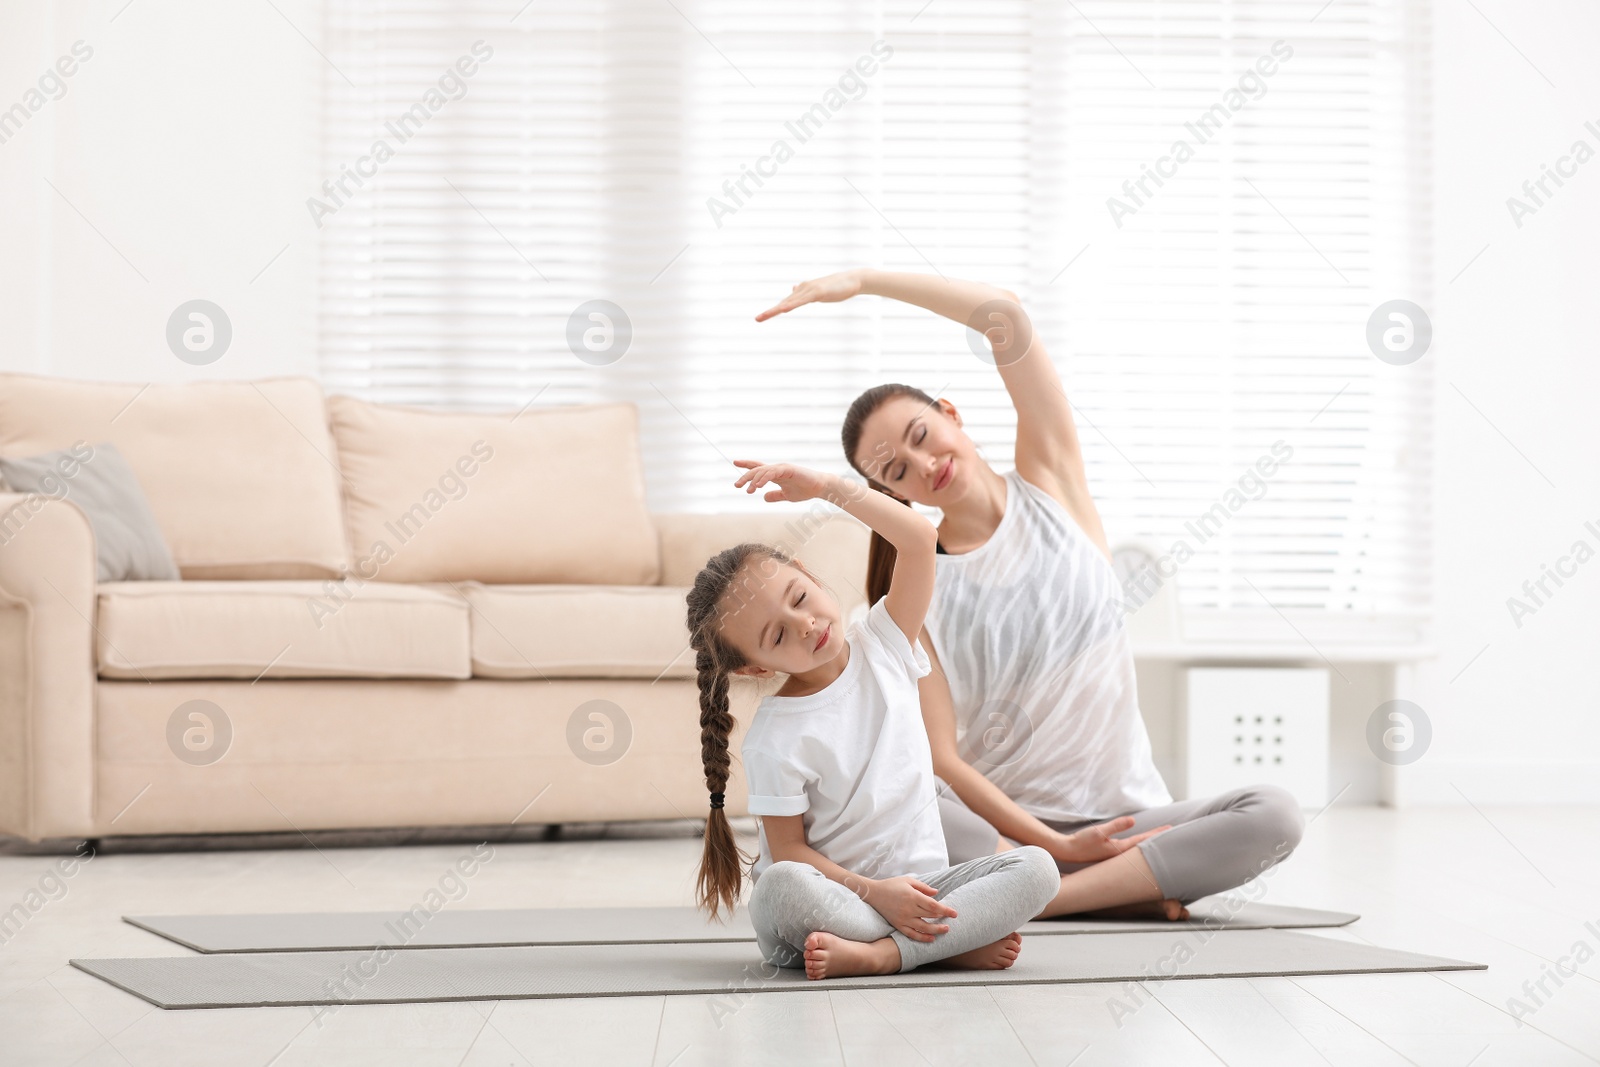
914, 538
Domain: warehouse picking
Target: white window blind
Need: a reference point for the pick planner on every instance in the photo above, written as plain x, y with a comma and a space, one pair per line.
1227, 312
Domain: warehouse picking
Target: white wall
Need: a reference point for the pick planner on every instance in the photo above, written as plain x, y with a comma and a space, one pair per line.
190, 140
26, 48
1517, 336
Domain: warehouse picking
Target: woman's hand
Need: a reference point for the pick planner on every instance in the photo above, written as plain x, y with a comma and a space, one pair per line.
829, 290
794, 483
905, 903
1095, 843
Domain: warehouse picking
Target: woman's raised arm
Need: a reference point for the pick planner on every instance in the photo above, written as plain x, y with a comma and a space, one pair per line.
1049, 454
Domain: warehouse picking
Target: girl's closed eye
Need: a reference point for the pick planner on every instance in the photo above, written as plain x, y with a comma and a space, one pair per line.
778, 640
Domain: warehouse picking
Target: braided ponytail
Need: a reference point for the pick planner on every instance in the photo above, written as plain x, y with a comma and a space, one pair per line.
721, 862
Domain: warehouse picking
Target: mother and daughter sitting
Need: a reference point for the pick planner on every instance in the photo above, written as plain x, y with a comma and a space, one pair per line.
887, 805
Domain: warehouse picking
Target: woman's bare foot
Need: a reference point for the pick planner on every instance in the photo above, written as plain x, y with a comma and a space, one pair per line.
830, 956
995, 956
1170, 910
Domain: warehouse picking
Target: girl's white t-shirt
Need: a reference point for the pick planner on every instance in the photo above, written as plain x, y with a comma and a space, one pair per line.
853, 759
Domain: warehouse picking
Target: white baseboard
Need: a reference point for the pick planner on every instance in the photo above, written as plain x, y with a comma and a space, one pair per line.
1446, 781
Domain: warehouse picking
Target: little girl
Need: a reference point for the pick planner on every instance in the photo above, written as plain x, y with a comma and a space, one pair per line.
853, 877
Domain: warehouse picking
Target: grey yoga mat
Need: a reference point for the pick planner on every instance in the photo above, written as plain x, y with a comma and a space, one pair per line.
731, 968
332, 931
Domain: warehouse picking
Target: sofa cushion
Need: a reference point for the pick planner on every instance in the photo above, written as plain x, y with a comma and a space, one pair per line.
240, 475
566, 631
97, 480
153, 630
539, 496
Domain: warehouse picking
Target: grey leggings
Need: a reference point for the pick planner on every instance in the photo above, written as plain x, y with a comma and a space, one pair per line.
992, 895
1215, 843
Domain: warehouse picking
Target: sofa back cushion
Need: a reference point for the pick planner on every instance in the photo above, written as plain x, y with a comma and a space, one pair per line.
241, 476
552, 496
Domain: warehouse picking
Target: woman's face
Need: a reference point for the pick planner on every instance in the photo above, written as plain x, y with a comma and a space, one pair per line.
918, 451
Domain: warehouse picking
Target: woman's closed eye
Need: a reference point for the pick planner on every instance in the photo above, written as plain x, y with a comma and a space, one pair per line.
917, 439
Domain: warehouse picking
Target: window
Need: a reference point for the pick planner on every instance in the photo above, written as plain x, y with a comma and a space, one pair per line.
689, 161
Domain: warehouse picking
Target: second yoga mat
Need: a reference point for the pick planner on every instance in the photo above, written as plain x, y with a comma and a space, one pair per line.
447, 928
733, 969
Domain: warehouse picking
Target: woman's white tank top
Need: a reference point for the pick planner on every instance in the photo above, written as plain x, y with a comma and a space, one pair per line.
1030, 632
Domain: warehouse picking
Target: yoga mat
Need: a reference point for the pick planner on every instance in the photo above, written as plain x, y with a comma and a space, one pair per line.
333, 931
730, 968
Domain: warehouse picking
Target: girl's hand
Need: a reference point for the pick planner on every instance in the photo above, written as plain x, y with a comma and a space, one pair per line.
905, 903
1095, 843
829, 290
794, 483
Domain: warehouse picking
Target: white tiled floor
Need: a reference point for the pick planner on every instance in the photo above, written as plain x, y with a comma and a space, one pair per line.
1511, 887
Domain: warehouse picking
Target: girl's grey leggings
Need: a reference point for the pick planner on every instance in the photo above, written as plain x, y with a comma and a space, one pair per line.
993, 896
1215, 843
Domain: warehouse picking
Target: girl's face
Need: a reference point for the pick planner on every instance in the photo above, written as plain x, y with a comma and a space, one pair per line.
780, 620
918, 451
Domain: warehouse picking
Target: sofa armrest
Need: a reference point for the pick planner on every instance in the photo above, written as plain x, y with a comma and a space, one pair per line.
833, 545
47, 604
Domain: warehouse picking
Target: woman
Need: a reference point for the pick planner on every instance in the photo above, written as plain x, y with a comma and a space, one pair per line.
1031, 709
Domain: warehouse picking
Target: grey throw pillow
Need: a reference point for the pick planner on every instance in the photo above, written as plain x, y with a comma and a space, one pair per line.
128, 543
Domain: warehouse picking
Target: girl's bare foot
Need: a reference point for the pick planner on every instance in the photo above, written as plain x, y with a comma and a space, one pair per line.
995, 956
830, 956
1170, 910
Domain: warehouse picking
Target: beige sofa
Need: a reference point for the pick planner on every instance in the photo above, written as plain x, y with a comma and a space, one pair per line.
388, 618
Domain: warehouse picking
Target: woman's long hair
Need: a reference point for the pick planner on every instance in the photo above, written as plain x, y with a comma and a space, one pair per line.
721, 862
881, 554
